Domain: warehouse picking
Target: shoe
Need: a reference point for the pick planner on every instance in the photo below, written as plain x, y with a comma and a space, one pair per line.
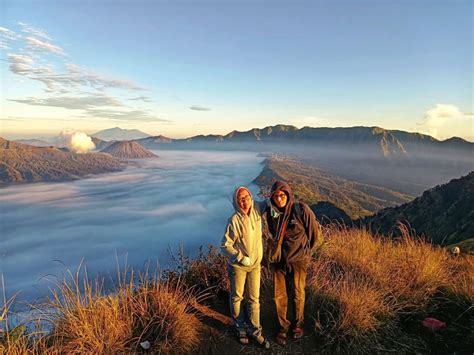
298, 333
243, 339
260, 339
281, 338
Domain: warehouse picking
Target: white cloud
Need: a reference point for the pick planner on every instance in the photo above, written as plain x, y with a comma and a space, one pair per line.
134, 115
446, 120
75, 77
19, 58
74, 87
40, 45
24, 65
34, 31
95, 105
72, 102
5, 33
199, 108
141, 98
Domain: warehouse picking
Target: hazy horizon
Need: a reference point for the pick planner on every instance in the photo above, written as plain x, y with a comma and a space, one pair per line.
91, 133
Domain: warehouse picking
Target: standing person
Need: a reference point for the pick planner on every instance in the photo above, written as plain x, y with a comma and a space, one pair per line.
292, 231
242, 245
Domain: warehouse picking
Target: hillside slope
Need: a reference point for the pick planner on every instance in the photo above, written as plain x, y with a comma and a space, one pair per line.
24, 163
444, 214
312, 185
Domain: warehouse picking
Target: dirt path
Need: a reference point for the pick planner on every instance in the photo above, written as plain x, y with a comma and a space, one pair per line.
218, 335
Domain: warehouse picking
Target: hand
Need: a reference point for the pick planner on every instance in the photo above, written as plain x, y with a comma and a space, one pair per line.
245, 261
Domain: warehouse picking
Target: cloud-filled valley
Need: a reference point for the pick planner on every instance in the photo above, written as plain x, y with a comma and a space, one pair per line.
183, 197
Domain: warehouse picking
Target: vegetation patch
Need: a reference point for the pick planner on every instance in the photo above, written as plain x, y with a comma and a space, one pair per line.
370, 293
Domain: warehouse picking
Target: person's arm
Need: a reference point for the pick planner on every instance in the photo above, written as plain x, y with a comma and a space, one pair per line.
227, 244
312, 227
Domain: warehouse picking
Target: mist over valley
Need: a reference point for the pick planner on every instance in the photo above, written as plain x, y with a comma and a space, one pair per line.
180, 198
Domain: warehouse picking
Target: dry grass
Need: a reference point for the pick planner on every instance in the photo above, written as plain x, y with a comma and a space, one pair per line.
363, 290
365, 294
84, 319
206, 273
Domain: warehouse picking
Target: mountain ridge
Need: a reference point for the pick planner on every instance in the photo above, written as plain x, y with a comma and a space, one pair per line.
388, 143
444, 213
25, 163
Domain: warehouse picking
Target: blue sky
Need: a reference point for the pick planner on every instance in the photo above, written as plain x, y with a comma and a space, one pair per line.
181, 68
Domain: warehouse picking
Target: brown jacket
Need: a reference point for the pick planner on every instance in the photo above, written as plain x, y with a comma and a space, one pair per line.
302, 232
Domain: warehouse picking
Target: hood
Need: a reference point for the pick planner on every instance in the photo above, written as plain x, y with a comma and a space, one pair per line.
283, 186
234, 202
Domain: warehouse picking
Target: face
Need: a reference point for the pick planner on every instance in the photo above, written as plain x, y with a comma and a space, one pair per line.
279, 198
244, 200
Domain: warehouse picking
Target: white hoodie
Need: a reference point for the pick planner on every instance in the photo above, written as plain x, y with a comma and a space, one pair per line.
243, 236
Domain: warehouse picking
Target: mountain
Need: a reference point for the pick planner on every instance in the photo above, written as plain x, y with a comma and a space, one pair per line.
100, 143
312, 185
25, 163
128, 150
405, 162
154, 142
34, 142
443, 214
377, 141
119, 134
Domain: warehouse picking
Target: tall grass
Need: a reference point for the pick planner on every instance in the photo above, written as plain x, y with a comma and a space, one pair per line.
365, 291
207, 272
85, 319
13, 340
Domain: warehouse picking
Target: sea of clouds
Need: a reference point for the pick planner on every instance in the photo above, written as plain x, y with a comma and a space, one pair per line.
138, 214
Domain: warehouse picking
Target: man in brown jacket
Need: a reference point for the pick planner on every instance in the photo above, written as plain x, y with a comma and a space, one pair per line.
292, 231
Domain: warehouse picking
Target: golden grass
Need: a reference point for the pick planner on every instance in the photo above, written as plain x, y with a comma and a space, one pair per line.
85, 320
365, 293
361, 287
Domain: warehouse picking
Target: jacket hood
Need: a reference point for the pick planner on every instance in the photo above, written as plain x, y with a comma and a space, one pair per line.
234, 202
283, 186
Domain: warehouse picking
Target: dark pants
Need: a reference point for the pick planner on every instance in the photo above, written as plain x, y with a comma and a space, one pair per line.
290, 285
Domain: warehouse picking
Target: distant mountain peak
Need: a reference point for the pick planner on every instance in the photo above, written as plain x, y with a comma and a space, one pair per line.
128, 150
119, 134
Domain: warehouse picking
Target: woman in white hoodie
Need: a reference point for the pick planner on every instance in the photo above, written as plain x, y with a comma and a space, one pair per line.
242, 245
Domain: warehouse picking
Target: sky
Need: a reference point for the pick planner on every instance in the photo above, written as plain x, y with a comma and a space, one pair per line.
182, 68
